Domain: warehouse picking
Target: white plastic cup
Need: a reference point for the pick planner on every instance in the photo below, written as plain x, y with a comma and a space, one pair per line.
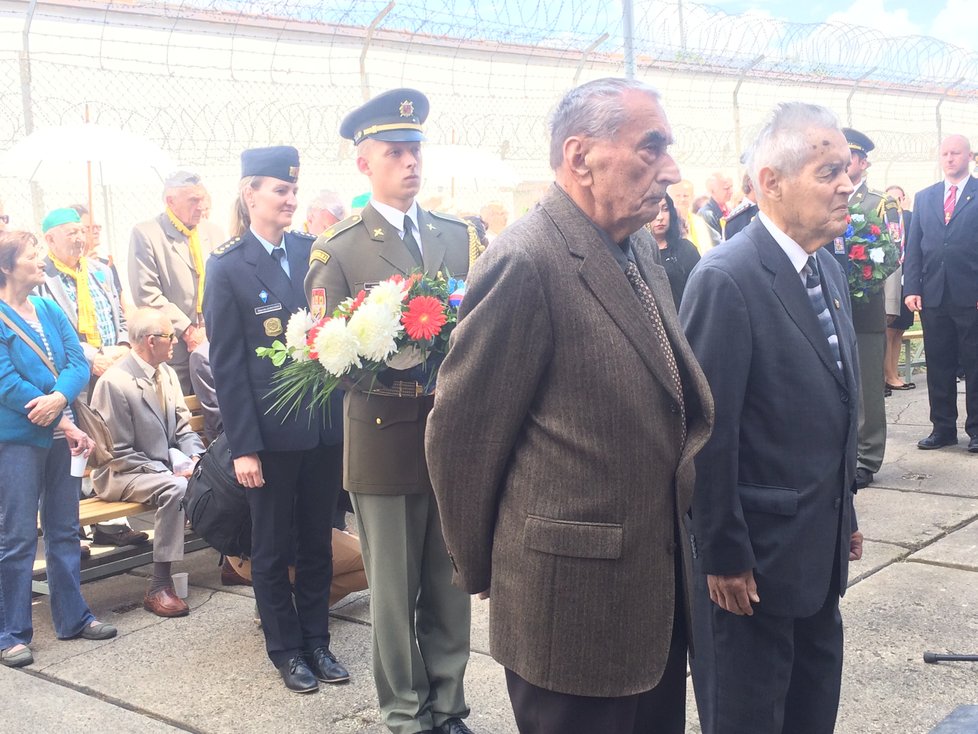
78, 464
180, 583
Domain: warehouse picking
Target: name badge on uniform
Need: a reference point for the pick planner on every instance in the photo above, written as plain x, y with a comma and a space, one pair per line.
268, 309
368, 286
273, 327
840, 245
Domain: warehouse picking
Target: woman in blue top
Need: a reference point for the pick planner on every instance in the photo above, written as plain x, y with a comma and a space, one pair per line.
37, 439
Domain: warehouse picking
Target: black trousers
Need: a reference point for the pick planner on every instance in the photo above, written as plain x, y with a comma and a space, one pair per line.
661, 710
291, 518
765, 674
950, 340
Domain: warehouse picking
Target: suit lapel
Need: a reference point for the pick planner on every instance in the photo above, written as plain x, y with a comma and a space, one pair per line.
146, 388
390, 246
270, 273
433, 245
176, 241
789, 289
298, 265
833, 296
57, 289
968, 192
606, 281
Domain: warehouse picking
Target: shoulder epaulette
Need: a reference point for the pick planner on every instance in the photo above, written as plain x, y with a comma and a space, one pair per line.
225, 248
303, 234
341, 227
740, 209
449, 218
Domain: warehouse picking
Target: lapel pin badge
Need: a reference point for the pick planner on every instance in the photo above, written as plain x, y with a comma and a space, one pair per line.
837, 304
263, 296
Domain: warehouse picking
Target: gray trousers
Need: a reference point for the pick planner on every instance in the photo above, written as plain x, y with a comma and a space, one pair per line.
420, 622
872, 403
165, 492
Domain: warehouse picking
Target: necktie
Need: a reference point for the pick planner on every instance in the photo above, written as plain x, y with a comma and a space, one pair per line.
813, 283
279, 254
409, 242
160, 392
647, 300
949, 202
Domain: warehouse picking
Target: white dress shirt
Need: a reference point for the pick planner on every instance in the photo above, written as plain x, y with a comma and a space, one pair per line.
396, 219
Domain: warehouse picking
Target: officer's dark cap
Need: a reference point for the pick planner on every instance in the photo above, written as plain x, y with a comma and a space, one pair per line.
279, 161
858, 141
395, 117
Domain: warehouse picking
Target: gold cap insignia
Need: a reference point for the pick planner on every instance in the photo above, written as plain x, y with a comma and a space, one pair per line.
294, 171
406, 109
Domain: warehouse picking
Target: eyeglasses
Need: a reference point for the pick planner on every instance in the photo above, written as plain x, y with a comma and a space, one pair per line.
5, 218
169, 337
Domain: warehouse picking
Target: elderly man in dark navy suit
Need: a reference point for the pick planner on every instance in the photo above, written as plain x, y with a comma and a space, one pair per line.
768, 318
940, 279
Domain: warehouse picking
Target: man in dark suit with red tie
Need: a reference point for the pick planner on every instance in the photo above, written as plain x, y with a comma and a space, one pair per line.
940, 276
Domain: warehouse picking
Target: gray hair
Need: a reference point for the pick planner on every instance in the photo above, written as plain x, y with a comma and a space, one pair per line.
180, 179
327, 201
781, 144
146, 321
592, 110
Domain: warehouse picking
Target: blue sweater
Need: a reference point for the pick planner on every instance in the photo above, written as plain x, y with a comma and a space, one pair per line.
23, 376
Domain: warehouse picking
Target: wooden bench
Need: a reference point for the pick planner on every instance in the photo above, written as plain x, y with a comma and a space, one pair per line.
92, 510
913, 353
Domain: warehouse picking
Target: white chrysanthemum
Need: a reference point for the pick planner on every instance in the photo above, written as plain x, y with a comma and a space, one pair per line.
375, 328
387, 294
295, 334
337, 347
410, 356
877, 255
858, 217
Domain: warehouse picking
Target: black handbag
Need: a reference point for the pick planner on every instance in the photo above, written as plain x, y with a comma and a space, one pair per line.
216, 504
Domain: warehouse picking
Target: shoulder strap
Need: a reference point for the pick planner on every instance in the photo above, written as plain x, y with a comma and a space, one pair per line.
30, 342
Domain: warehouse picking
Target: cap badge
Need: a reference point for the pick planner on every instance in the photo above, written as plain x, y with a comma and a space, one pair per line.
293, 171
407, 108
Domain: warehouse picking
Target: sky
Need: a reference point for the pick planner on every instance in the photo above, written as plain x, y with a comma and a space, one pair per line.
953, 21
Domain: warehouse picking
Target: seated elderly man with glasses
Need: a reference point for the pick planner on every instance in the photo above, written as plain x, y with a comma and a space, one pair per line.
155, 448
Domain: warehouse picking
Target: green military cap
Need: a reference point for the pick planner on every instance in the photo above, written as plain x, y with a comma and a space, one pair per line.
858, 141
394, 117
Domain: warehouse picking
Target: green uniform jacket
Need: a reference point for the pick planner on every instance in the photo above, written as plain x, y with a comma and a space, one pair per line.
384, 436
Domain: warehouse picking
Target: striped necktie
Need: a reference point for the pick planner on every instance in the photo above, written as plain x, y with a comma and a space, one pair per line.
813, 283
949, 202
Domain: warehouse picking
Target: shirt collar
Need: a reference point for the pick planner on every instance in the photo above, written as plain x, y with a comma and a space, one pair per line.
265, 243
145, 366
856, 188
794, 251
960, 184
396, 216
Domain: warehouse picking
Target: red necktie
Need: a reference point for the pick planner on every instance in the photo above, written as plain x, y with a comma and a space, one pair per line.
949, 202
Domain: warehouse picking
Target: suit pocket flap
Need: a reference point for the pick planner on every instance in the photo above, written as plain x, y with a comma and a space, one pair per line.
382, 412
773, 500
574, 539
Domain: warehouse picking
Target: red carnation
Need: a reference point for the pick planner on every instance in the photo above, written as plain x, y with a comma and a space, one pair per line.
423, 318
874, 230
867, 272
857, 252
357, 301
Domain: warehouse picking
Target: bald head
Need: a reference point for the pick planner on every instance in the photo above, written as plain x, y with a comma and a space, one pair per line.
955, 157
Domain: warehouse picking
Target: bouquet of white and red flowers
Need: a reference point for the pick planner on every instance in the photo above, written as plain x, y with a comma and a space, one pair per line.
873, 255
399, 324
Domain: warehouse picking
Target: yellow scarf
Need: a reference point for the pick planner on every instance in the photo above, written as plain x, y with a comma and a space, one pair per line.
87, 323
193, 242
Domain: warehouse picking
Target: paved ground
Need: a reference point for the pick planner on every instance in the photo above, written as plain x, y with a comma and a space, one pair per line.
915, 590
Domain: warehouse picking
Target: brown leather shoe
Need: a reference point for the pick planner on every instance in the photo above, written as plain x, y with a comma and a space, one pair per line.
230, 575
165, 603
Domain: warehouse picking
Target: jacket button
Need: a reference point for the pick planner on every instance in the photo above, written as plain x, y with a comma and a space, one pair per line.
379, 421
844, 397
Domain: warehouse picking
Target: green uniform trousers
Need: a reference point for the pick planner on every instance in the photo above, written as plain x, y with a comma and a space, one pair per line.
872, 405
421, 623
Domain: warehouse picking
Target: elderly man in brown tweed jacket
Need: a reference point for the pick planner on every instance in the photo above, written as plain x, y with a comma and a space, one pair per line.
567, 416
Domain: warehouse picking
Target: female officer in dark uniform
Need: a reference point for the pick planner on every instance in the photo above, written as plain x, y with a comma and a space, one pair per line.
289, 464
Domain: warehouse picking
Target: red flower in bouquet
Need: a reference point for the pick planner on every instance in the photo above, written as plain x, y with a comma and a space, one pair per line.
874, 230
424, 317
867, 272
857, 252
357, 301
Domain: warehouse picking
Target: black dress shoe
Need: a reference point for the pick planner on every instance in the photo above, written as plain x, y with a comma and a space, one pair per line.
864, 477
973, 445
325, 667
297, 675
103, 535
936, 441
453, 726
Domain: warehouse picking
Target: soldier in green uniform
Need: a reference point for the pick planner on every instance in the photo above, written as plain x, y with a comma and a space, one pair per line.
420, 621
869, 317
